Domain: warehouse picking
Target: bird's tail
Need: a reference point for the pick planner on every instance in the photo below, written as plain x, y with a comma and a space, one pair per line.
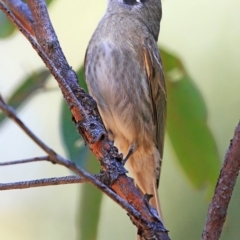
145, 170
154, 201
149, 189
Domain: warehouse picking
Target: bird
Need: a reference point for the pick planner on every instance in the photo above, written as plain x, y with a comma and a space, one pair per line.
124, 74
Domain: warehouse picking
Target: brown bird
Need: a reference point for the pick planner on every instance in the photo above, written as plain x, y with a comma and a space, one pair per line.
124, 74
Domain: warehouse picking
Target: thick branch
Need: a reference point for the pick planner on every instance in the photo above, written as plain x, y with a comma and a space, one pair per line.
53, 155
42, 182
151, 228
22, 12
89, 124
218, 208
48, 40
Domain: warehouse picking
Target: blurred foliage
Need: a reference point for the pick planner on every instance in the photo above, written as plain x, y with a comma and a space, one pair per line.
91, 198
90, 205
6, 27
30, 85
73, 142
47, 1
187, 126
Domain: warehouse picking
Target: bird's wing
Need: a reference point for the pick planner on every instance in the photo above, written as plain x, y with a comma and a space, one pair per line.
155, 77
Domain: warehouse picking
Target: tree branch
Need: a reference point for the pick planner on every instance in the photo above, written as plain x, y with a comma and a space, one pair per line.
69, 164
150, 228
89, 124
36, 159
11, 114
52, 154
218, 208
42, 182
22, 13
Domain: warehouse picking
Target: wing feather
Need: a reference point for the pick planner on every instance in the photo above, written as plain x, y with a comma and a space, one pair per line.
157, 89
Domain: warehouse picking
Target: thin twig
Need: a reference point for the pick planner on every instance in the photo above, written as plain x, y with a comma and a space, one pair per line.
29, 160
69, 164
217, 211
89, 124
9, 111
42, 182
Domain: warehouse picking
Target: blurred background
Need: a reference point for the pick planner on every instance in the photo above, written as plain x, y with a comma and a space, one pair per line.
205, 35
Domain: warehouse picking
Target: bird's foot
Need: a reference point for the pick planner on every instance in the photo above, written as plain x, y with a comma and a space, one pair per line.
130, 152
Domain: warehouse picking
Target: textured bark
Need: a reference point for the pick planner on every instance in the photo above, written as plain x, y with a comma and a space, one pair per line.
89, 125
217, 211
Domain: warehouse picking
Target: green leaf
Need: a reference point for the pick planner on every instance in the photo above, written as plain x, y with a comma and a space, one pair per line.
73, 142
28, 87
81, 79
90, 202
90, 206
6, 27
91, 198
75, 145
48, 2
187, 125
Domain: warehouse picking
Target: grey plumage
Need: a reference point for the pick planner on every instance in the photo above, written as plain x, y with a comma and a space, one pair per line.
124, 75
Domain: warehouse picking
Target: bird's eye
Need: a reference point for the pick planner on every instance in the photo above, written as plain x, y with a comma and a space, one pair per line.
131, 2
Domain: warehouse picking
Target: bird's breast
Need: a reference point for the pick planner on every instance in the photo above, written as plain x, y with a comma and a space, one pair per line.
117, 80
